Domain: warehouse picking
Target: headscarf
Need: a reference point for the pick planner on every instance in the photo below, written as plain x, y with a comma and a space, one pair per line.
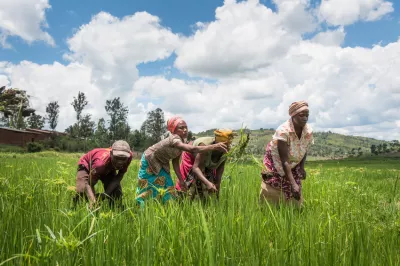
223, 135
173, 122
297, 107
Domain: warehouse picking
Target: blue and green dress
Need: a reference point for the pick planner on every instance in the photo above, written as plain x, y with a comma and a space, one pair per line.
154, 177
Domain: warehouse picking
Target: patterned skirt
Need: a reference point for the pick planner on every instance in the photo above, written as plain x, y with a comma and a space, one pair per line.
271, 176
196, 187
150, 185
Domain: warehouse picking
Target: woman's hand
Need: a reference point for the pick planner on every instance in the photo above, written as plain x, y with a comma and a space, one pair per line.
183, 186
222, 147
92, 204
211, 187
296, 191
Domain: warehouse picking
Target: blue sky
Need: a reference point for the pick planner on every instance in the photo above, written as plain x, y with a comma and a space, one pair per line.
257, 56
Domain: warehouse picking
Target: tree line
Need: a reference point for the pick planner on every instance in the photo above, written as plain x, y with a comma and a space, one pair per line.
85, 133
393, 146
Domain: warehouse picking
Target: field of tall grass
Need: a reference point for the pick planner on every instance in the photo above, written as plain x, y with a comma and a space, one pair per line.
351, 216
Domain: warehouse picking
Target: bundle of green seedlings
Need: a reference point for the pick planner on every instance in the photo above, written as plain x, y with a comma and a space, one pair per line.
238, 153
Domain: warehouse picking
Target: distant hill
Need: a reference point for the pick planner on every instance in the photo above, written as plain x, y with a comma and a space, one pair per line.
326, 144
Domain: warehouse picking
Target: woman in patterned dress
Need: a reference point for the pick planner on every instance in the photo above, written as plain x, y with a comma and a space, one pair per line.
285, 156
154, 177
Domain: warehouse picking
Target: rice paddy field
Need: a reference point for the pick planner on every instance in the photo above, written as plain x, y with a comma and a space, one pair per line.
351, 216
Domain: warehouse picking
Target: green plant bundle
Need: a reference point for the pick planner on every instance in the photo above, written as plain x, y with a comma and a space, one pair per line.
238, 149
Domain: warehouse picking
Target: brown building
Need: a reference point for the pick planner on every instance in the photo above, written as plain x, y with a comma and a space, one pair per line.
18, 137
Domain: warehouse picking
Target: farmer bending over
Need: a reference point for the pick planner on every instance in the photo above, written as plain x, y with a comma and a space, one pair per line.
285, 156
102, 164
202, 172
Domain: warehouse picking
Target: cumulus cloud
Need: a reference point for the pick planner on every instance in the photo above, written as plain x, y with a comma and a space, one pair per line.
113, 47
296, 15
346, 12
244, 36
25, 19
330, 37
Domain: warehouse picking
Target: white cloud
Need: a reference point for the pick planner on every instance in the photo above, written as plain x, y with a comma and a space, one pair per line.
331, 37
296, 15
346, 12
24, 18
4, 81
245, 36
113, 47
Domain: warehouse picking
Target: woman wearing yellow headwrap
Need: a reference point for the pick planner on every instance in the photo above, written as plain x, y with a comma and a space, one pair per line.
285, 156
202, 172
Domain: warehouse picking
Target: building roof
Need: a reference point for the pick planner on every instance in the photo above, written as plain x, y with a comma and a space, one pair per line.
39, 130
42, 131
18, 130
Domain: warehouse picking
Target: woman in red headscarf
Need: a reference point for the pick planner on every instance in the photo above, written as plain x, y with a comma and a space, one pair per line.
285, 157
154, 177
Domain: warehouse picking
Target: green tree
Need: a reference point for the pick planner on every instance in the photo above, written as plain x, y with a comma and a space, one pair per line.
86, 128
101, 133
72, 130
380, 148
123, 131
395, 145
53, 111
384, 148
190, 136
118, 114
154, 125
14, 106
79, 104
374, 149
36, 121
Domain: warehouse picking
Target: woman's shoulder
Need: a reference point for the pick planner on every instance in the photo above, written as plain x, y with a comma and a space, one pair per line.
284, 127
204, 140
172, 139
308, 129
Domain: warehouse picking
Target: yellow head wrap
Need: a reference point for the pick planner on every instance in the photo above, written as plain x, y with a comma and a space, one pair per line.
223, 135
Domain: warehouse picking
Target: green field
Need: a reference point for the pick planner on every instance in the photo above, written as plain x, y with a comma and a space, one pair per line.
351, 217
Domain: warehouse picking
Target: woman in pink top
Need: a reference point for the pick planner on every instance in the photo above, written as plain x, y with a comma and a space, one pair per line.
285, 156
154, 177
102, 164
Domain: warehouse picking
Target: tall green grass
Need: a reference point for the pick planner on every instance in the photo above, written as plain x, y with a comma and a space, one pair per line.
351, 217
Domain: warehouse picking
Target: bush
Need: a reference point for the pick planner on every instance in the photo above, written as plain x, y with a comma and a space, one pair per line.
34, 147
11, 148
